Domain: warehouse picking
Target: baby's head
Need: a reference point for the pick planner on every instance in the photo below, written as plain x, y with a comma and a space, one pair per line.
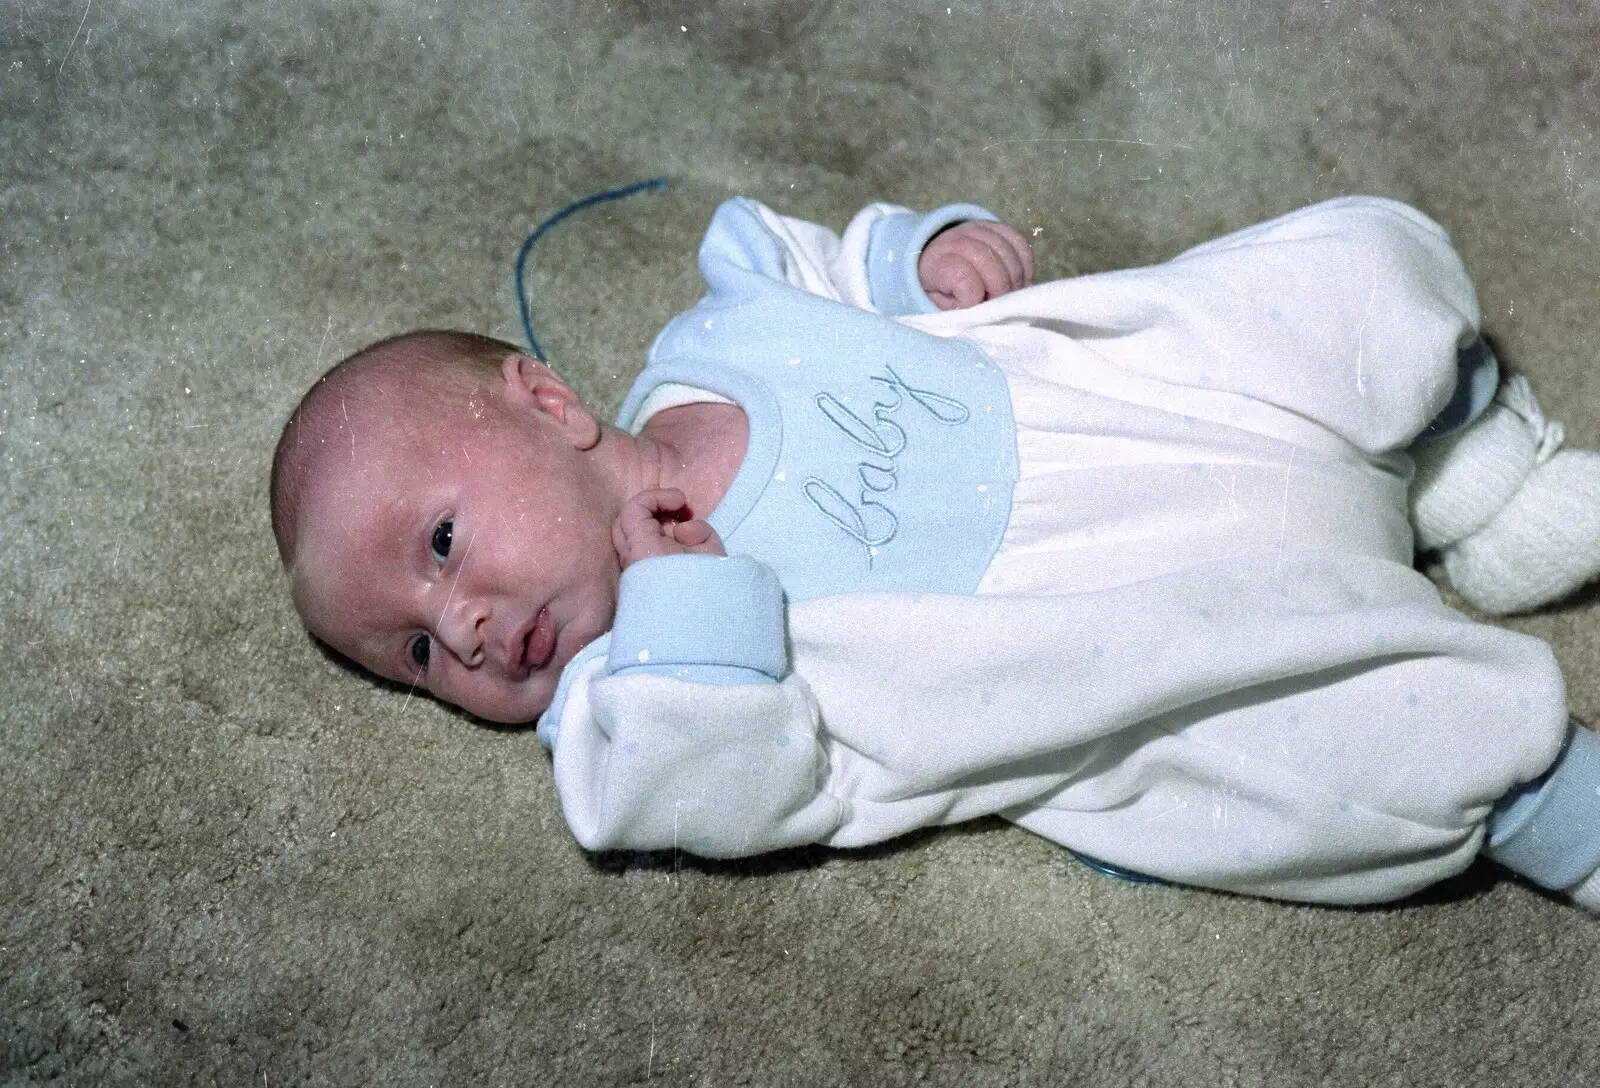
443, 506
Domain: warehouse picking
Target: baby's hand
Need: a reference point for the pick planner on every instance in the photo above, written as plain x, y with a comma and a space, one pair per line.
647, 527
974, 261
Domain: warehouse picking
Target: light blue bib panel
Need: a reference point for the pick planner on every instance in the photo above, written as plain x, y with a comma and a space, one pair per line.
880, 458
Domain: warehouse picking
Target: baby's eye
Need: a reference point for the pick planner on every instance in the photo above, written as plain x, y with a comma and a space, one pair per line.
419, 651
440, 543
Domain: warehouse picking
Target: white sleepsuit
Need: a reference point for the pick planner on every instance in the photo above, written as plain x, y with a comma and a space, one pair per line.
1164, 615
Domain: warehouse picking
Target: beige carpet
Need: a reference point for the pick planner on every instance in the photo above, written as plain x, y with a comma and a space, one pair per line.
228, 860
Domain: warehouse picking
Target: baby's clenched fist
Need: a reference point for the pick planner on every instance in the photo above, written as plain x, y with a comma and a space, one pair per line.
656, 522
973, 262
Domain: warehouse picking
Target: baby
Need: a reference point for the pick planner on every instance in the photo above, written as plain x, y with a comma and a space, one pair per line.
888, 537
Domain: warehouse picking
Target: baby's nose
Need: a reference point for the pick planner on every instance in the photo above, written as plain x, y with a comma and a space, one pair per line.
461, 630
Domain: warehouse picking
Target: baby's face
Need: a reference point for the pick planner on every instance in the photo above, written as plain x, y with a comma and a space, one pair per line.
467, 552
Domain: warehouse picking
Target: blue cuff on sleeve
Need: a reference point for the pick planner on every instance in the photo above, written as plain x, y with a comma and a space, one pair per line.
1549, 830
894, 247
702, 618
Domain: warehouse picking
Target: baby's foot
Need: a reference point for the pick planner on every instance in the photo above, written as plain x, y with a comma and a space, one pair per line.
1515, 518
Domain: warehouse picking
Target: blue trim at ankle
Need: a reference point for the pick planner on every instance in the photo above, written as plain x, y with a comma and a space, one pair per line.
1548, 830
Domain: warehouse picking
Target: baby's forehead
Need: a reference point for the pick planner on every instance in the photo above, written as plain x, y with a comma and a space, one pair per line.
350, 526
355, 463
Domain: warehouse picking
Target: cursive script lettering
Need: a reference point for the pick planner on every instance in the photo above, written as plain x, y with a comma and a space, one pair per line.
869, 521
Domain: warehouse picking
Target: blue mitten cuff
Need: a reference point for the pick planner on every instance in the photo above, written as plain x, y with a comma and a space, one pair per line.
894, 248
703, 618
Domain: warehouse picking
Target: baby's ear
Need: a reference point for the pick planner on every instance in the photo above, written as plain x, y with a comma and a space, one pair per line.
533, 385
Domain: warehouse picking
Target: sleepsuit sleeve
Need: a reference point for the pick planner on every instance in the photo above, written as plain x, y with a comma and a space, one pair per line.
1349, 314
1348, 717
692, 732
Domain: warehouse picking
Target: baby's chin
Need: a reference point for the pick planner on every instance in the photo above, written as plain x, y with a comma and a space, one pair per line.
521, 708
512, 704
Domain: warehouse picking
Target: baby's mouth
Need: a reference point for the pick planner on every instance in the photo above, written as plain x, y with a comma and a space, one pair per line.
540, 644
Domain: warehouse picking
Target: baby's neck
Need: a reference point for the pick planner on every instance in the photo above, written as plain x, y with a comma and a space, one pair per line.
699, 448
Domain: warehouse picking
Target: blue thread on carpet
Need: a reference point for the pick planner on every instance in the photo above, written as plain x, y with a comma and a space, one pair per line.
550, 221
1115, 870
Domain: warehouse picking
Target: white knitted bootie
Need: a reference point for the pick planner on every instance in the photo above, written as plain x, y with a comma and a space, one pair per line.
1515, 518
